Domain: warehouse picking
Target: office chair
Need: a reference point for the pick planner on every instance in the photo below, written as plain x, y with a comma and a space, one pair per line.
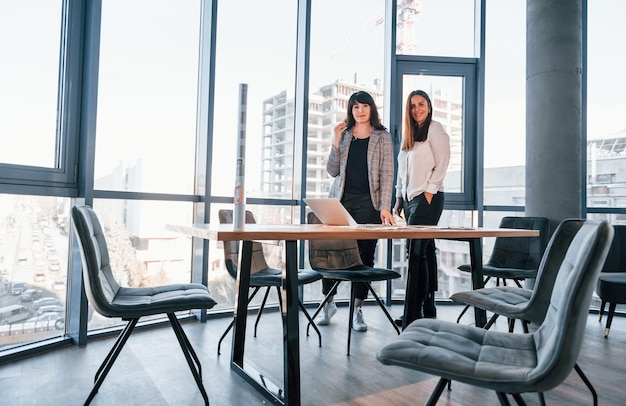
611, 286
339, 260
513, 363
262, 275
514, 258
110, 299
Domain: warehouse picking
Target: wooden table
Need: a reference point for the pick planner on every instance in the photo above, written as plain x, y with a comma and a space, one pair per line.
291, 234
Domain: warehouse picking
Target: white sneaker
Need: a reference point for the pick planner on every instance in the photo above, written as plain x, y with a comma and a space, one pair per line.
328, 311
358, 323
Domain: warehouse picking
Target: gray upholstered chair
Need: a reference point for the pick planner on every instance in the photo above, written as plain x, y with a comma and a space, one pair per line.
611, 286
340, 261
517, 303
262, 275
516, 258
110, 299
513, 363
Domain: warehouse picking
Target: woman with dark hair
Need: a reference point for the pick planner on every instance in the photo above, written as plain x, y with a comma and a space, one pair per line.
422, 166
361, 161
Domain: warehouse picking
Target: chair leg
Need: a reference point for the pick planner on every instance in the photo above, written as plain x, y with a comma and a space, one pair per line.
232, 323
190, 355
490, 322
319, 308
519, 285
587, 383
436, 394
258, 316
350, 313
504, 401
110, 358
311, 322
609, 319
511, 325
382, 306
465, 309
601, 310
518, 399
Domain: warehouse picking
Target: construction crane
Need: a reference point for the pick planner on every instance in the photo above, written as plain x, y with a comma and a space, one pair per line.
405, 36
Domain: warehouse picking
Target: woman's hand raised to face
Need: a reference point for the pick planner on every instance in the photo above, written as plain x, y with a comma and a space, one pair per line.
339, 129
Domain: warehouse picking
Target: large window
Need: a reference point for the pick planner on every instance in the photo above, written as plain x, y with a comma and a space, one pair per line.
505, 104
606, 123
260, 53
147, 96
29, 74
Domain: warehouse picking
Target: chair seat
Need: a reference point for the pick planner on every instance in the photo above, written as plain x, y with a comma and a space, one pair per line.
503, 273
457, 352
138, 302
509, 300
611, 287
359, 273
274, 277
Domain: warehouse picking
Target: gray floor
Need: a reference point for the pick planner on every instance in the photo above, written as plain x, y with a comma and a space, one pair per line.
151, 369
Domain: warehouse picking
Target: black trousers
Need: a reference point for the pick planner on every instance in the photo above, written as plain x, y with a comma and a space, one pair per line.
422, 253
361, 209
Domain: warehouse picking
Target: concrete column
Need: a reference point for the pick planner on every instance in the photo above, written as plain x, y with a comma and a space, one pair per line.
554, 133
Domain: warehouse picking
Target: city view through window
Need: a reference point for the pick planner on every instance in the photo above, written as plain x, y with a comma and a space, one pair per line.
146, 136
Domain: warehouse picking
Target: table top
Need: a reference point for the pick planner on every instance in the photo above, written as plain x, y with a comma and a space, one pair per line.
260, 232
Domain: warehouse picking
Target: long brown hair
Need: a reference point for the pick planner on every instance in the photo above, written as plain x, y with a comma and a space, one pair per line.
412, 131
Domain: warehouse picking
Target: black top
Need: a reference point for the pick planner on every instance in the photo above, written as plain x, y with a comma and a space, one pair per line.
357, 181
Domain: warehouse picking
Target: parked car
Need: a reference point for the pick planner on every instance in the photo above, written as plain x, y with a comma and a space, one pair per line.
54, 266
46, 301
58, 319
30, 294
14, 314
39, 277
18, 288
50, 309
58, 285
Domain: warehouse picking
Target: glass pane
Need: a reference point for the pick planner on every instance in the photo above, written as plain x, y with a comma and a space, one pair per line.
446, 96
345, 58
29, 72
33, 268
606, 124
450, 254
435, 28
142, 252
147, 96
263, 58
222, 284
505, 104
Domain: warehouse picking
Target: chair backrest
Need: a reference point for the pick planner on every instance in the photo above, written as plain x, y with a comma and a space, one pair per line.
231, 248
332, 254
100, 284
559, 338
551, 261
616, 260
521, 252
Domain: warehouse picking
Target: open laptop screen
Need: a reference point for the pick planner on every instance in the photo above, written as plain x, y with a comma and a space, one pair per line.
330, 211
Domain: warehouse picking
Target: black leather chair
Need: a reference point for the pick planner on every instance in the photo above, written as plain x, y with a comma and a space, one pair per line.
110, 299
611, 286
340, 261
262, 275
516, 258
513, 363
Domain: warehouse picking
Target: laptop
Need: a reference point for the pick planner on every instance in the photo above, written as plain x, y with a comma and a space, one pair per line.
330, 211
